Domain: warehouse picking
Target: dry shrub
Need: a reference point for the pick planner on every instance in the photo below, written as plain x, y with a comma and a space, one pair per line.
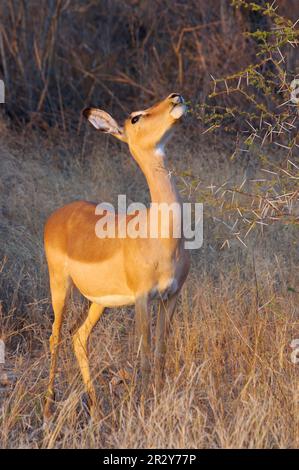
57, 58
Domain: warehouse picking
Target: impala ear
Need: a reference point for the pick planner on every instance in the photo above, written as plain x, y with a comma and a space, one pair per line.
104, 123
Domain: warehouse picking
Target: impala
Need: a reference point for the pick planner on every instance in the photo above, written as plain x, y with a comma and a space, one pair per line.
119, 271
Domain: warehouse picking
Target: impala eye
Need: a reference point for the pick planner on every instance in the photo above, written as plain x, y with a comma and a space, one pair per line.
135, 119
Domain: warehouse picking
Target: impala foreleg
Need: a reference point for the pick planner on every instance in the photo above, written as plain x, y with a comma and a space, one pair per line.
80, 342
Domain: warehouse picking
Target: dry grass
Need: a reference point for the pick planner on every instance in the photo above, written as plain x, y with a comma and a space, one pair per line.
230, 379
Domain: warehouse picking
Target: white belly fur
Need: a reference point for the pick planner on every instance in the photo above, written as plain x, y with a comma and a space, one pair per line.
167, 289
113, 300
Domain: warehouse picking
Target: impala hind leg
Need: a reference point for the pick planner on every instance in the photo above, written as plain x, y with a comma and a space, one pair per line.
80, 342
165, 314
144, 338
59, 287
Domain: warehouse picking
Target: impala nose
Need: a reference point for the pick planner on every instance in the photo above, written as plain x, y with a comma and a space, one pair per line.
176, 98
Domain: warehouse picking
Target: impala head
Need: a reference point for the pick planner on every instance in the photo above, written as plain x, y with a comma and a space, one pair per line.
142, 129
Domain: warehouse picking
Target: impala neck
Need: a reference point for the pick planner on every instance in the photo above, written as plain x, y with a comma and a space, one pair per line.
159, 179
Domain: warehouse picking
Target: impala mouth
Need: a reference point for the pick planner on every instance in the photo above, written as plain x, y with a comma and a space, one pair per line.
179, 106
178, 110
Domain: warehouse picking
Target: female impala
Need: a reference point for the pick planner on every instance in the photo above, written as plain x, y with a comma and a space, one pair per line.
119, 271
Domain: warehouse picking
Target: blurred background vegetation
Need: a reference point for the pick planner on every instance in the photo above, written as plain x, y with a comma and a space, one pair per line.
56, 56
